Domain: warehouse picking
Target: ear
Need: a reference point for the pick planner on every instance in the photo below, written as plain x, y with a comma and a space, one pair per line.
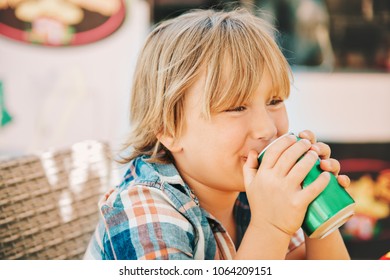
172, 144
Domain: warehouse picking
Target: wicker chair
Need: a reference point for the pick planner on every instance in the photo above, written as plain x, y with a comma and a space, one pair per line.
48, 202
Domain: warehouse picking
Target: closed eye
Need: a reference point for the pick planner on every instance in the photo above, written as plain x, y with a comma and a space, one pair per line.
275, 102
236, 109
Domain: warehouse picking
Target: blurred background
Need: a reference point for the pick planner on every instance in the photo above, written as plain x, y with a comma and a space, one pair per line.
66, 70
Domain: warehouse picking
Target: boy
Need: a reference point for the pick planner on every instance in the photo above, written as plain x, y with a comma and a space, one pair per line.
207, 97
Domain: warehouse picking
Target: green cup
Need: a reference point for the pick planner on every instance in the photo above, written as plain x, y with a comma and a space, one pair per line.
330, 209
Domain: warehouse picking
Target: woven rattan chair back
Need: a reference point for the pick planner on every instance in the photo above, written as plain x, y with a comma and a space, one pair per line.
48, 202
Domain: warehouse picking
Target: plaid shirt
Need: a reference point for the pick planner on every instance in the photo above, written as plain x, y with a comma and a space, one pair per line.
153, 214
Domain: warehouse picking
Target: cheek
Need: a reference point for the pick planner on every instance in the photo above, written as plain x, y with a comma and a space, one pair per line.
221, 142
281, 121
230, 136
221, 131
201, 138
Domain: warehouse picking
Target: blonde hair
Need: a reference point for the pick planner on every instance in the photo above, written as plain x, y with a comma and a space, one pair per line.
178, 51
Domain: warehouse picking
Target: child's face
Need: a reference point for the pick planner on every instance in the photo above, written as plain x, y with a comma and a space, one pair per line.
213, 152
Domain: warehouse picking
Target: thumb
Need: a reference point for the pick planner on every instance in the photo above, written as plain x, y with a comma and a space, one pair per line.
250, 167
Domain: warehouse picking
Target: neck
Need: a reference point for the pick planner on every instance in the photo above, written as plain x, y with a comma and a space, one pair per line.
219, 203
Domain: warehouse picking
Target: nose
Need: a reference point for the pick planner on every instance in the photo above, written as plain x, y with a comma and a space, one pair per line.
263, 126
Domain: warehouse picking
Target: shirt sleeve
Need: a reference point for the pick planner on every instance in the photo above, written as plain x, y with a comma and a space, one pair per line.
143, 224
296, 240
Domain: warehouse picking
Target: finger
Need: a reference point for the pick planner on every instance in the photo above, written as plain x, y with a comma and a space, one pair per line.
331, 165
290, 156
309, 135
344, 180
303, 167
322, 149
309, 193
275, 150
250, 168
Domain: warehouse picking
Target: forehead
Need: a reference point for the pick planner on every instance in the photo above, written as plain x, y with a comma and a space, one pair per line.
227, 62
194, 94
199, 92
232, 77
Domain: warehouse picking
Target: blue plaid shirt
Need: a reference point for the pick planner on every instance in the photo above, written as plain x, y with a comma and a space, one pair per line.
153, 214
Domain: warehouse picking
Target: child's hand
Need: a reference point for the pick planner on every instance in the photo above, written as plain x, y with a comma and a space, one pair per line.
274, 189
327, 163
